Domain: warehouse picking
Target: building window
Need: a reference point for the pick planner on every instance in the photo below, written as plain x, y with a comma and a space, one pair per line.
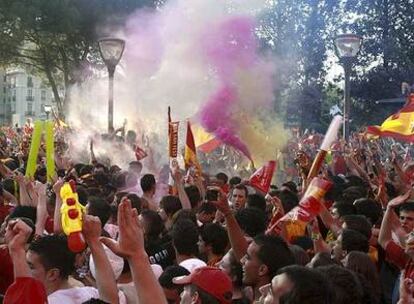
29, 82
29, 96
4, 78
29, 107
43, 95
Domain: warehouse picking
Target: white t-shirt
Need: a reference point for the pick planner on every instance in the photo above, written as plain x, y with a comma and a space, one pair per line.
192, 264
78, 295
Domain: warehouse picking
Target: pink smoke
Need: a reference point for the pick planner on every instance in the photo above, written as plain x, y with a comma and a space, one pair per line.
144, 49
228, 47
216, 118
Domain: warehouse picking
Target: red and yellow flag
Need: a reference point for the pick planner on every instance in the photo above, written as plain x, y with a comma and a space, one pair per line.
399, 126
190, 154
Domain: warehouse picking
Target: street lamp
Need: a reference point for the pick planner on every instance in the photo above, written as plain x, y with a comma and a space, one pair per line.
47, 109
111, 50
347, 47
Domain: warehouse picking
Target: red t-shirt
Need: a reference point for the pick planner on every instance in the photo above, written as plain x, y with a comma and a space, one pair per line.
396, 255
6, 269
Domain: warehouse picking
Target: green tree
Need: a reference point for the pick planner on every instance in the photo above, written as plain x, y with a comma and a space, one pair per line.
297, 32
57, 39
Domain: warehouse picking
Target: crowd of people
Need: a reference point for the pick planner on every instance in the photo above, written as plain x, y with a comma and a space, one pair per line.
205, 239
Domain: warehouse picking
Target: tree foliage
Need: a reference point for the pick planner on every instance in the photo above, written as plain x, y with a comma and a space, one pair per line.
57, 39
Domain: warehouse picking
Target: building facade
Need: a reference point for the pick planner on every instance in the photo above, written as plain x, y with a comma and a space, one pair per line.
22, 96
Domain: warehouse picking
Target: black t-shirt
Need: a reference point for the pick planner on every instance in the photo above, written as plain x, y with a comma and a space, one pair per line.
158, 253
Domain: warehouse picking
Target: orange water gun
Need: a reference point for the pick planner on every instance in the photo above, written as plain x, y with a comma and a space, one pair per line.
71, 215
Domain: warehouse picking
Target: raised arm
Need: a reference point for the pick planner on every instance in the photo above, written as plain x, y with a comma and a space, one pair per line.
179, 185
105, 277
41, 210
130, 245
236, 236
57, 222
17, 235
385, 234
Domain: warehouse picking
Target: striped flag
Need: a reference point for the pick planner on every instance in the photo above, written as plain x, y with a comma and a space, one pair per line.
190, 154
399, 126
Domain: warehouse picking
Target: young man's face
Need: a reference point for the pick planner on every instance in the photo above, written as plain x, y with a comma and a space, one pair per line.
251, 265
407, 220
37, 269
238, 198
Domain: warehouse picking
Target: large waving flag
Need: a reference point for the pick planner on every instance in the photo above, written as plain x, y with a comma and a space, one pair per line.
399, 126
205, 142
190, 154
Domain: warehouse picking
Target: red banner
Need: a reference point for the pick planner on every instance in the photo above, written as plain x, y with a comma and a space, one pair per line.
308, 208
173, 138
262, 178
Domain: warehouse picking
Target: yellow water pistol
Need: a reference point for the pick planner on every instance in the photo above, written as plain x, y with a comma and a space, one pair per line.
71, 215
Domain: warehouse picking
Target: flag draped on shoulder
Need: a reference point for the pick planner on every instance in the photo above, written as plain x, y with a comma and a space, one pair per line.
190, 154
399, 125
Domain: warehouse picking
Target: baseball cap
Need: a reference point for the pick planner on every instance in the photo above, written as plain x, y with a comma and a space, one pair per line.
211, 280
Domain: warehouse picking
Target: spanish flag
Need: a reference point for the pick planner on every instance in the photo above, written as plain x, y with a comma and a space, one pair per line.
190, 154
205, 142
399, 126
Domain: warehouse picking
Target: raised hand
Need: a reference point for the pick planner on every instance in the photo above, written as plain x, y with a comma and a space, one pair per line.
58, 185
91, 228
399, 199
17, 234
222, 204
131, 236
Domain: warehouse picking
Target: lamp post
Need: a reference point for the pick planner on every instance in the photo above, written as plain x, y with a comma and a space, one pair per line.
111, 50
347, 47
47, 109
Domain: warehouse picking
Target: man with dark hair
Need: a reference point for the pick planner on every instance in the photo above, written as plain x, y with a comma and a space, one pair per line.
340, 209
172, 291
349, 240
358, 223
153, 226
213, 243
169, 205
238, 197
51, 262
369, 208
345, 284
99, 207
296, 285
264, 257
206, 213
251, 220
205, 285
289, 199
148, 186
222, 178
193, 194
406, 216
185, 239
257, 201
235, 180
